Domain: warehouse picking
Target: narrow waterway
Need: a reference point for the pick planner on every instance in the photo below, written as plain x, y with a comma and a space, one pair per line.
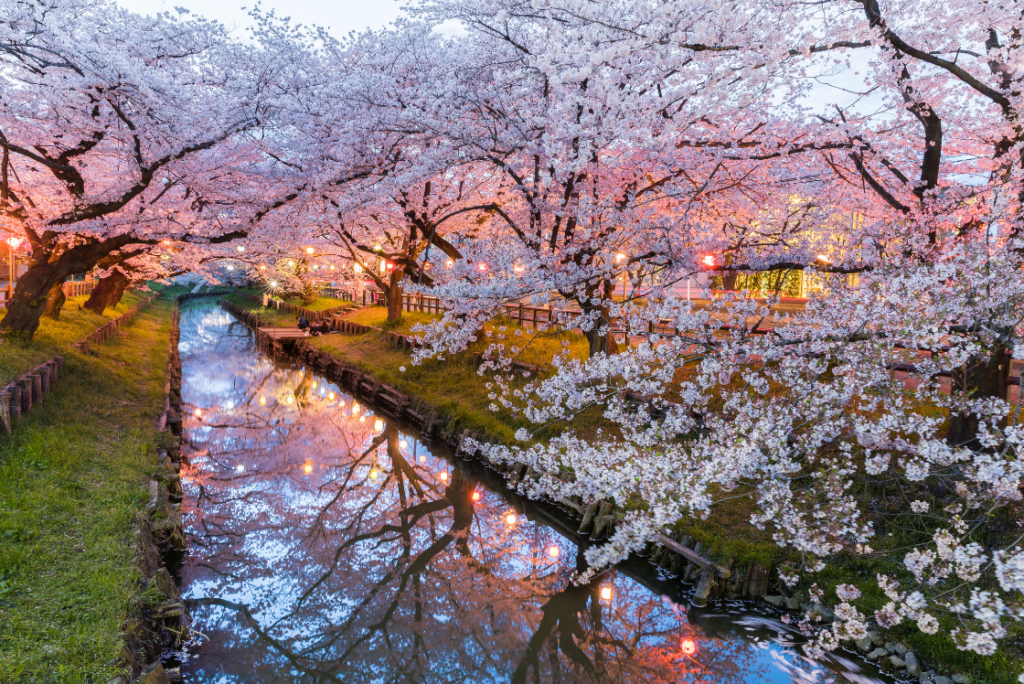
328, 543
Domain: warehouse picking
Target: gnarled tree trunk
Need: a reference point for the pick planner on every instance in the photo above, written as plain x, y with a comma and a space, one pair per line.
394, 296
107, 293
55, 301
985, 375
599, 338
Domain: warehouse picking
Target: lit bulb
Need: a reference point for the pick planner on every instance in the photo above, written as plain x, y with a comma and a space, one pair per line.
402, 443
606, 593
476, 496
511, 519
263, 401
482, 267
291, 400
308, 468
449, 263
341, 403
230, 267
355, 408
378, 425
273, 283
689, 646
263, 267
442, 476
554, 551
241, 248
291, 263
315, 267
239, 468
362, 419
332, 267
198, 413
309, 250
376, 247
423, 459
374, 474
620, 256
357, 268
330, 395
314, 384
709, 260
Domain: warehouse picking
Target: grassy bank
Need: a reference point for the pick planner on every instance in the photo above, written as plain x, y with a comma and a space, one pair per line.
72, 478
55, 337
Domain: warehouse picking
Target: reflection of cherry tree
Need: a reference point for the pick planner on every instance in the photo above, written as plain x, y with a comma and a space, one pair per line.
330, 546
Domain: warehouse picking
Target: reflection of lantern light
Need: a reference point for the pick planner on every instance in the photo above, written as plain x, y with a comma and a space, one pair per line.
314, 384
689, 646
554, 551
442, 476
263, 401
240, 468
403, 443
230, 267
511, 519
291, 400
308, 468
476, 496
374, 474
198, 413
423, 459
378, 425
355, 409
330, 395
606, 593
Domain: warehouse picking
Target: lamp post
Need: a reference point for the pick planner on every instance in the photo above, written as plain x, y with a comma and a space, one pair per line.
12, 243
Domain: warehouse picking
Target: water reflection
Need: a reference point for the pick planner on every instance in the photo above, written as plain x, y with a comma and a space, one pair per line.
329, 545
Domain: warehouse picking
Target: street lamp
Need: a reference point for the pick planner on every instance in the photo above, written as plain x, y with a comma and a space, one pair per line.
13, 243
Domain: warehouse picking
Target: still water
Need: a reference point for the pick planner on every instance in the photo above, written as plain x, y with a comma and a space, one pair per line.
327, 543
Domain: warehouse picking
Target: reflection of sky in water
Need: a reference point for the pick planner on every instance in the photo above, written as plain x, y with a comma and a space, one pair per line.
326, 545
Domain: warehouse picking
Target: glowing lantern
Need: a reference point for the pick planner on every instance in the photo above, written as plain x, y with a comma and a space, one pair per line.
355, 409
378, 425
198, 413
13, 242
442, 476
341, 403
383, 266
374, 473
482, 267
606, 593
263, 401
273, 283
314, 384
824, 259
449, 263
554, 551
518, 269
620, 257
290, 263
291, 400
330, 395
708, 260
309, 250
332, 267
376, 247
362, 419
263, 267
475, 496
308, 468
239, 468
689, 646
230, 267
511, 519
403, 444
356, 268
241, 248
315, 267
423, 459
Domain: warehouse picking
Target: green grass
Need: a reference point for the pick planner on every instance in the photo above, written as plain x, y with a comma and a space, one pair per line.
72, 479
55, 337
318, 304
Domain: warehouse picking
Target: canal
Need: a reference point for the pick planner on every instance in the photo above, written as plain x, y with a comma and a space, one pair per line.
329, 543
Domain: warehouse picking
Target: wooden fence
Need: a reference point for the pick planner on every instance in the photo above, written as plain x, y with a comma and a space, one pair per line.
103, 333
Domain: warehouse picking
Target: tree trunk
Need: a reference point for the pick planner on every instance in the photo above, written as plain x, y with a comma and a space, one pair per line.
107, 293
55, 301
30, 299
601, 342
308, 294
985, 375
394, 296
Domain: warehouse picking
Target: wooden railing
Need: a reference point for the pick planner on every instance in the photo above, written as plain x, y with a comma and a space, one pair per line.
79, 288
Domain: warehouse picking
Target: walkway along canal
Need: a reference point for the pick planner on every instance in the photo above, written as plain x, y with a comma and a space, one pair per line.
329, 543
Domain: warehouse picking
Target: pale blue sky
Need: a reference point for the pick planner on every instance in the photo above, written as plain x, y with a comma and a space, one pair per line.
341, 16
